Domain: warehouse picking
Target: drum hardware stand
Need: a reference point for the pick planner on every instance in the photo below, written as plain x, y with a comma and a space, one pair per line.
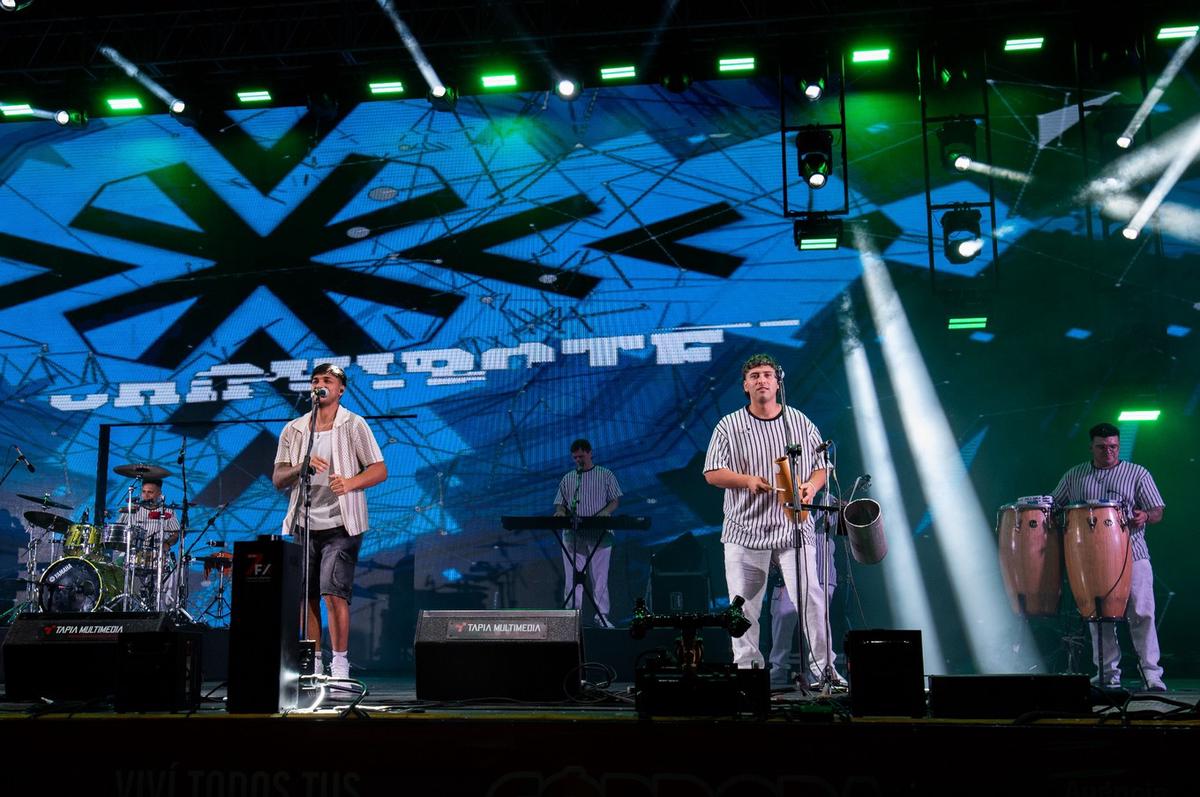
1099, 621
126, 595
219, 601
30, 603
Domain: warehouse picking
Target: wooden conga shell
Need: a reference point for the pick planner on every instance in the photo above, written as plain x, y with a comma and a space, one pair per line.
1099, 557
1030, 559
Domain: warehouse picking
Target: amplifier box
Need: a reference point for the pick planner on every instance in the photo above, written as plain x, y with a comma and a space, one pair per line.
531, 655
1007, 696
70, 655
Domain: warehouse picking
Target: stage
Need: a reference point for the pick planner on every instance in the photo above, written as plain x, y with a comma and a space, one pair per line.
391, 743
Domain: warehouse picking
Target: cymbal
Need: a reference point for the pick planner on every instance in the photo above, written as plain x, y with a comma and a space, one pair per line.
45, 501
49, 521
142, 470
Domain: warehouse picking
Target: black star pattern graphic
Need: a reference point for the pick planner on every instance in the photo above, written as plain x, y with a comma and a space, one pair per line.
284, 260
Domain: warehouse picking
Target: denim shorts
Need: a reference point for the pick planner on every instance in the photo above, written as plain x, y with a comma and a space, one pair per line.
332, 557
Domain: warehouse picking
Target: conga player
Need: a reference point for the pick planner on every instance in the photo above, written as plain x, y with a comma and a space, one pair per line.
1107, 478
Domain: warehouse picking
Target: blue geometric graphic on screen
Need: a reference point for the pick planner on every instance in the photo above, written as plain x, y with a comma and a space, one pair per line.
150, 203
1074, 333
266, 125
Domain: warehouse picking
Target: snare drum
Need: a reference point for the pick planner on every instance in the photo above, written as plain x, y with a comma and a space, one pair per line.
81, 540
1099, 555
112, 536
1030, 558
75, 584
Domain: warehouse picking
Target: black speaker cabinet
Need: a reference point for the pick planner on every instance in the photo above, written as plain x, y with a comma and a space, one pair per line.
531, 655
158, 671
69, 656
264, 627
1007, 696
887, 673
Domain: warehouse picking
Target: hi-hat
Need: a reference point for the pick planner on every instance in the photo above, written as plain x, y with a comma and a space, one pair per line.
48, 521
45, 501
142, 470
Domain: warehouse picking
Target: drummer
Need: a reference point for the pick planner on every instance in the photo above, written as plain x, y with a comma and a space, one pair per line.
152, 514
1107, 478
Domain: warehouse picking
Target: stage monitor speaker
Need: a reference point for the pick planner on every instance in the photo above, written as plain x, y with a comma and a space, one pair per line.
530, 655
158, 671
69, 655
1007, 696
887, 673
264, 627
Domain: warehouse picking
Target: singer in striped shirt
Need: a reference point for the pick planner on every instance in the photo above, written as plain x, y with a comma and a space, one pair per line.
741, 460
1108, 478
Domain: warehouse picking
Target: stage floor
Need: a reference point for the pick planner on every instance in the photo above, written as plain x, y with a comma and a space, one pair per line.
387, 742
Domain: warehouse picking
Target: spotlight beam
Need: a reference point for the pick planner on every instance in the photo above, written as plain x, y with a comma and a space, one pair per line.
907, 597
412, 45
998, 641
172, 102
999, 172
1155, 94
1187, 154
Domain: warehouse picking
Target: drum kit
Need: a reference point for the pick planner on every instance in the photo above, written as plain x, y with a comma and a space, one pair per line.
1092, 539
122, 566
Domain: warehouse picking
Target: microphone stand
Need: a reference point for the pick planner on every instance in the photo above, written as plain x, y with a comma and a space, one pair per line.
793, 450
306, 499
183, 528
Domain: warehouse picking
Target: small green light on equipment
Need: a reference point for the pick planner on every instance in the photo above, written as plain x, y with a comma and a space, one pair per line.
736, 64
387, 87
975, 322
499, 81
16, 110
818, 243
1178, 32
124, 103
1139, 415
869, 56
1032, 43
617, 72
258, 95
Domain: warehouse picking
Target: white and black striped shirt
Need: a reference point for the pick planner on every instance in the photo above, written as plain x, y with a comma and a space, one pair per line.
1126, 483
746, 444
596, 486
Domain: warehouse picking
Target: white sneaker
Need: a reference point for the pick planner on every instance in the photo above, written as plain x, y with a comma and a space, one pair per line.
340, 668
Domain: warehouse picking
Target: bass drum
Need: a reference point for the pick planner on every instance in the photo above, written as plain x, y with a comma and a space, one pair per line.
75, 584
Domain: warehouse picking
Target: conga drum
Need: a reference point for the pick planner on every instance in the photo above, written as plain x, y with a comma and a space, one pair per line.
1099, 556
1030, 558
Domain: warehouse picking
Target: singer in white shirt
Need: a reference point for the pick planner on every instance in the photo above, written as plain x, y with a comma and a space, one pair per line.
345, 461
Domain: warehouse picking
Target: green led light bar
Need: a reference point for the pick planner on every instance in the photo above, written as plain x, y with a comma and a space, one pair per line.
1033, 43
736, 64
818, 243
258, 95
1139, 415
977, 322
869, 56
124, 103
386, 87
499, 81
617, 72
16, 110
1178, 32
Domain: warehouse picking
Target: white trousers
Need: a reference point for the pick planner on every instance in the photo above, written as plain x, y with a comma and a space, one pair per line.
746, 572
598, 572
1140, 613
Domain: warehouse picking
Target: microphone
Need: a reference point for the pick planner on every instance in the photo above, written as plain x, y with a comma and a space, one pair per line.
821, 448
866, 481
319, 393
21, 458
182, 451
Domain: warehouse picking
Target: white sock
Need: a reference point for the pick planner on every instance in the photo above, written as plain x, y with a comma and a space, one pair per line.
340, 654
